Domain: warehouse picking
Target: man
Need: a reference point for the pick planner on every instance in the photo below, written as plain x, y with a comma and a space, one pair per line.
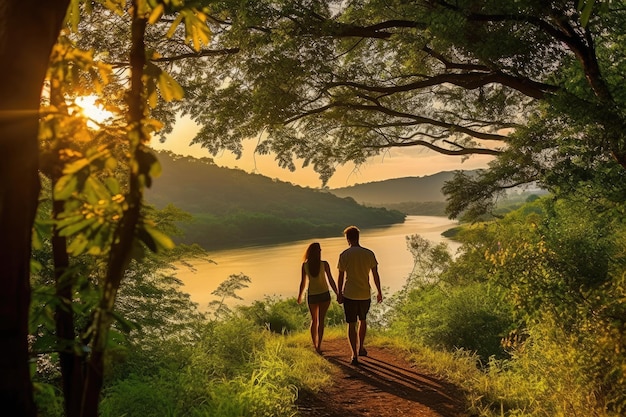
355, 264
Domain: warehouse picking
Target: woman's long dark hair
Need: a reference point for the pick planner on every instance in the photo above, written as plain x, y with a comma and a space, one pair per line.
313, 258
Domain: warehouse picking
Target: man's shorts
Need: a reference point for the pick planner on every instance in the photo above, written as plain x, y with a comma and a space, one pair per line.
318, 298
354, 309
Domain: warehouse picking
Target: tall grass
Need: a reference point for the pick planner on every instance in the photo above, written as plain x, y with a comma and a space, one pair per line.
236, 368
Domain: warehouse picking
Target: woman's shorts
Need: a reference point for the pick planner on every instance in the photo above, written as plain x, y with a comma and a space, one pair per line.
354, 309
318, 298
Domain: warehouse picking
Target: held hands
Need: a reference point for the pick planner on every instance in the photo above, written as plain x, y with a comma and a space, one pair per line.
340, 298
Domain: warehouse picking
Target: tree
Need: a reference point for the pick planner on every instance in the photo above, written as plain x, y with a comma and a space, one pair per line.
29, 30
98, 186
331, 82
27, 38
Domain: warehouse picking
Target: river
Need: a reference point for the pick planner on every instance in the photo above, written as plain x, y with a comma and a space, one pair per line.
274, 270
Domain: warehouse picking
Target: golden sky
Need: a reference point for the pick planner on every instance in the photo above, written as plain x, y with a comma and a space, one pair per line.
396, 163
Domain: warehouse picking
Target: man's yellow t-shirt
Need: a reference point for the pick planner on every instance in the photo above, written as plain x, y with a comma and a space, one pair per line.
357, 262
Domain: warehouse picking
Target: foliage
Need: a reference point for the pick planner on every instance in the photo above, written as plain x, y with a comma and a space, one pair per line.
227, 289
178, 363
539, 297
566, 384
474, 318
548, 381
96, 185
437, 309
150, 311
565, 267
556, 260
533, 84
286, 316
233, 369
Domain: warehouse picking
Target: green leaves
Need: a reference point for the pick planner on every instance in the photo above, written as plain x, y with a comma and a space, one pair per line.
65, 187
585, 7
197, 32
160, 81
95, 202
155, 240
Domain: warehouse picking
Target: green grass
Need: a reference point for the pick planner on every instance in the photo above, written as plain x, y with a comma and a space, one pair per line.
236, 369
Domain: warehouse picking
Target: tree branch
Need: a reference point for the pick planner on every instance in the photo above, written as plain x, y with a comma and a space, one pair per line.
579, 42
469, 81
199, 54
377, 31
453, 128
445, 151
455, 65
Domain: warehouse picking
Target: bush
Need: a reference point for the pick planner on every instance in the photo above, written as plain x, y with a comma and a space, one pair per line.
474, 317
279, 316
138, 396
286, 315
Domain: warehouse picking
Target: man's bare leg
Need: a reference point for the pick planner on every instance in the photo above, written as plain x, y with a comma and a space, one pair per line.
362, 332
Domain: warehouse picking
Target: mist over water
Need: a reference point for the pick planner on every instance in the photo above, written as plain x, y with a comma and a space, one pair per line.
275, 269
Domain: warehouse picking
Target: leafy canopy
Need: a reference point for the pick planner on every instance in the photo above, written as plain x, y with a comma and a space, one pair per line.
533, 84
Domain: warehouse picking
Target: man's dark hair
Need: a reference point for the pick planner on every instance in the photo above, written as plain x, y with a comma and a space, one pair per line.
352, 233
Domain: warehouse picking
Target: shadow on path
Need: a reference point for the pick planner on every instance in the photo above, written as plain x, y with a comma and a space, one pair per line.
383, 384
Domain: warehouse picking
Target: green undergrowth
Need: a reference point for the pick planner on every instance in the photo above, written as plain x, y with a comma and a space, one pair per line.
235, 369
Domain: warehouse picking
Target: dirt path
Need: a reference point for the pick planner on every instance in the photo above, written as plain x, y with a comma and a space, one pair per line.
382, 385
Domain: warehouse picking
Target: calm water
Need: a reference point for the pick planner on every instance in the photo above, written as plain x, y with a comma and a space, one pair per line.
275, 269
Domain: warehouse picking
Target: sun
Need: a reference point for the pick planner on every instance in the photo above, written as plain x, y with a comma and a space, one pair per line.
95, 112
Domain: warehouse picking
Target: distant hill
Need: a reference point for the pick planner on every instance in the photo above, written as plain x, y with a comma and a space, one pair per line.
422, 196
399, 190
232, 208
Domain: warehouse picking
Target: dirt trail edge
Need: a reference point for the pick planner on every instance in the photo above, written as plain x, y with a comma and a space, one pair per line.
384, 384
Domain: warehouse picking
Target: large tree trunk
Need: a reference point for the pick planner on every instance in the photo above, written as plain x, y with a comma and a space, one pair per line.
28, 30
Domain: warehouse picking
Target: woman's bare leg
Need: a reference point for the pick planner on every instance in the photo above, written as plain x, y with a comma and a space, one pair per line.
314, 309
323, 308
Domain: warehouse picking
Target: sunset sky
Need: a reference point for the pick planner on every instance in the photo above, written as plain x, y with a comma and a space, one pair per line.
396, 163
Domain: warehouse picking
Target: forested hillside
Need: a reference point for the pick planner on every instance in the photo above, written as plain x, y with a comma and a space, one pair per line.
398, 190
410, 195
233, 208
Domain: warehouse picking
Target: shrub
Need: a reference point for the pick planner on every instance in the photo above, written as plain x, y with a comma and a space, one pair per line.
138, 396
279, 316
474, 317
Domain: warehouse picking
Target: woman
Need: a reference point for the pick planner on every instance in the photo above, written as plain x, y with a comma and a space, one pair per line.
313, 270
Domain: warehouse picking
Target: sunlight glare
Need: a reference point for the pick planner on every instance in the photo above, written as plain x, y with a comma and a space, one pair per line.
96, 113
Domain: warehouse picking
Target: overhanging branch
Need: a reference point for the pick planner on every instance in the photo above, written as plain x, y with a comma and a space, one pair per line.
469, 81
199, 54
445, 151
453, 128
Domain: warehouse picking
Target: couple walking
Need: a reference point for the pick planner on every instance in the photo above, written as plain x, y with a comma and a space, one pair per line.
352, 289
